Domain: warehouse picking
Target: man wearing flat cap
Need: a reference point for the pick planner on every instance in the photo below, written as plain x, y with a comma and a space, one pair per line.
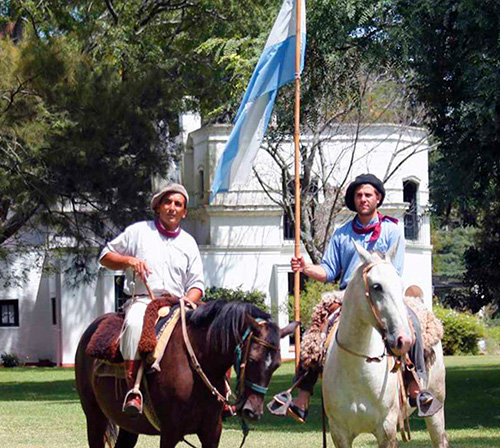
373, 231
160, 252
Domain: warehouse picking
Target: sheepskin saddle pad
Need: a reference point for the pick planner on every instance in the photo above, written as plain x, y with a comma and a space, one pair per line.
328, 312
105, 342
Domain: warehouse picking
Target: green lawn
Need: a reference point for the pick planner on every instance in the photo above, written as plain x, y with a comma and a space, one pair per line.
40, 408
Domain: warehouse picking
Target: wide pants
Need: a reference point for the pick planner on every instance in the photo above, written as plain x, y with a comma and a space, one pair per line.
135, 309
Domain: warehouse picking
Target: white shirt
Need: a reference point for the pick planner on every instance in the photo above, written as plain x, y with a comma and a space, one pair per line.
175, 263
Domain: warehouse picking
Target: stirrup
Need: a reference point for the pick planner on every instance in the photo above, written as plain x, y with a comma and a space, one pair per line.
133, 391
430, 408
280, 403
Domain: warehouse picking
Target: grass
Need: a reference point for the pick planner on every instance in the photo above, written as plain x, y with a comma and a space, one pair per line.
40, 409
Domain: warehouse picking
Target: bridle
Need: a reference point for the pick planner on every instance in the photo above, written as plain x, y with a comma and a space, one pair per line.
376, 314
239, 365
242, 361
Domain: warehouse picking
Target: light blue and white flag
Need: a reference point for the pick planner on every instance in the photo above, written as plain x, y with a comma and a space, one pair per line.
275, 68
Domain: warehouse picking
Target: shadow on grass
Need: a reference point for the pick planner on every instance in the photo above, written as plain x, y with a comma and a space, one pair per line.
473, 397
473, 401
61, 390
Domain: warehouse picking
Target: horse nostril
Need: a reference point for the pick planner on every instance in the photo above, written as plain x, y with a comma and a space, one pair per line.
403, 344
400, 342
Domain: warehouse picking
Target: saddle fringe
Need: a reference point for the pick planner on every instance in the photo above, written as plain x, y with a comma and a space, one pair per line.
431, 326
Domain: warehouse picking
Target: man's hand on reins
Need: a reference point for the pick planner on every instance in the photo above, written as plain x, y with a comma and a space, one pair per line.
115, 261
139, 266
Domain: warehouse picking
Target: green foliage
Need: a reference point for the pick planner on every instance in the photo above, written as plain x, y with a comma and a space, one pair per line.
492, 337
9, 359
309, 298
255, 297
449, 247
89, 105
462, 331
483, 260
454, 48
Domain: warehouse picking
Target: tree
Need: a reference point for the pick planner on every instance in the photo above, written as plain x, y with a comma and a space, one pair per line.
89, 104
454, 50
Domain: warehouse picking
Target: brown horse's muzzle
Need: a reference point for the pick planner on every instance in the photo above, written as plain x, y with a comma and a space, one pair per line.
253, 408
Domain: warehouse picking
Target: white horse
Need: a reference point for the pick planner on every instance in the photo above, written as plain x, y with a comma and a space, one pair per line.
360, 394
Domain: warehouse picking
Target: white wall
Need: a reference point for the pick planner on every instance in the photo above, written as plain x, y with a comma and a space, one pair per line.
34, 338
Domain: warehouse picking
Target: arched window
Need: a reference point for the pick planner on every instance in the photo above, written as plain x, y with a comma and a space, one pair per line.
411, 218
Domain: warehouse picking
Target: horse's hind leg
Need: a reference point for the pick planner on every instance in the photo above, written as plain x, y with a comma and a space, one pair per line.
126, 439
98, 429
436, 428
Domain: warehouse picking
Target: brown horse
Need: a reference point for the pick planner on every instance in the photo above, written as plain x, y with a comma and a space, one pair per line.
221, 334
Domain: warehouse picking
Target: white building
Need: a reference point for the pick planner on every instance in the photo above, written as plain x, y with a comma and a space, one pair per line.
241, 235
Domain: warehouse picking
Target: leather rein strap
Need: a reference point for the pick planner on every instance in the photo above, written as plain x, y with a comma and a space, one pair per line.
194, 360
240, 367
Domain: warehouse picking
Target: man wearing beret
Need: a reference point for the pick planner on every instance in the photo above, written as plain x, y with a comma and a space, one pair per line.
373, 231
160, 252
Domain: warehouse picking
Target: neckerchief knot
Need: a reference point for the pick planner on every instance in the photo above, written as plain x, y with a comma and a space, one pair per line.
376, 227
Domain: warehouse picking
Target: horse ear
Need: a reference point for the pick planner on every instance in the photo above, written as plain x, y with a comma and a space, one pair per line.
365, 256
392, 252
289, 329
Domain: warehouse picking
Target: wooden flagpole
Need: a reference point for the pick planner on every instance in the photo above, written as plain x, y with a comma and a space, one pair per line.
296, 290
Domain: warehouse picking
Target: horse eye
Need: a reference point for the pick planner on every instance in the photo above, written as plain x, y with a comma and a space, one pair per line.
377, 287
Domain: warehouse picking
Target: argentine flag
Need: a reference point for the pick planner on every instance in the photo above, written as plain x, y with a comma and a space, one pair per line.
275, 68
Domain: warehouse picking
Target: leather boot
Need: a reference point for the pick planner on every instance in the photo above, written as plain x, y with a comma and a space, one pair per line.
132, 404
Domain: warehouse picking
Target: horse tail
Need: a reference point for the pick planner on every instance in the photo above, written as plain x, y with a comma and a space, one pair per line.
111, 435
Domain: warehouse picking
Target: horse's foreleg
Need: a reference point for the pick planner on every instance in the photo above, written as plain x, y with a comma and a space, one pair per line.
387, 436
340, 438
170, 439
436, 428
210, 434
126, 439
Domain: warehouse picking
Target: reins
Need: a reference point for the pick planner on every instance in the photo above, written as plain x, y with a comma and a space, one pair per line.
240, 365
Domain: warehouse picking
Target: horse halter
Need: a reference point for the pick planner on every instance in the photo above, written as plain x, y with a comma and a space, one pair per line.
241, 362
381, 327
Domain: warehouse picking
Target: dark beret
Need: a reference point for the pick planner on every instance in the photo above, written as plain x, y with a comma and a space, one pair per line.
361, 180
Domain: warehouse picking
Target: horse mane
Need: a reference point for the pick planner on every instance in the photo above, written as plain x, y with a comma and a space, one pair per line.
225, 321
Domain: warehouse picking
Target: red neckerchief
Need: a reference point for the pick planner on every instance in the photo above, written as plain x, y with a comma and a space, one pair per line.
376, 227
168, 233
